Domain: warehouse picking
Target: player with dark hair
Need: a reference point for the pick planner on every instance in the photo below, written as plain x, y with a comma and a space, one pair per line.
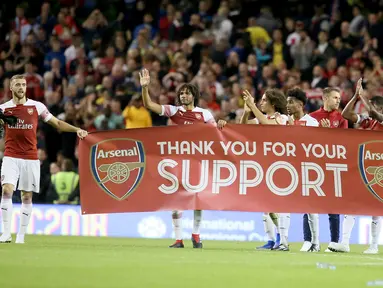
21, 167
328, 116
273, 106
186, 113
296, 101
366, 123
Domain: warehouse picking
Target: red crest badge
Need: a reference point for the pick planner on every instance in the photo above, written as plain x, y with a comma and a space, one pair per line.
370, 162
30, 111
118, 166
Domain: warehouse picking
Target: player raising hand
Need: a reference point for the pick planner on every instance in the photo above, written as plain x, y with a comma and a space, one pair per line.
187, 113
20, 162
273, 106
366, 123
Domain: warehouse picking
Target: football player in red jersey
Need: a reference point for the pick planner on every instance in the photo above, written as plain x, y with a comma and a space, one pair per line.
186, 113
367, 123
328, 116
20, 162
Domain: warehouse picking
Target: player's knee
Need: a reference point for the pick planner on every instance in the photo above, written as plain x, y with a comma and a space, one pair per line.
7, 191
176, 214
26, 197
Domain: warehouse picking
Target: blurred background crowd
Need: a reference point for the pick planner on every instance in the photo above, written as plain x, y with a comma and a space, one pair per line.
82, 59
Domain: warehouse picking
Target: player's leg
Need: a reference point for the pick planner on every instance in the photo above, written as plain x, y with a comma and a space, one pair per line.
306, 234
177, 226
334, 229
376, 225
284, 226
269, 228
29, 182
347, 226
274, 217
196, 229
9, 177
25, 216
313, 220
6, 212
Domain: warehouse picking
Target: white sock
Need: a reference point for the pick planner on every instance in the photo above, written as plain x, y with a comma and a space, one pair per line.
314, 227
177, 224
25, 216
347, 226
269, 227
6, 211
274, 218
284, 226
197, 221
376, 224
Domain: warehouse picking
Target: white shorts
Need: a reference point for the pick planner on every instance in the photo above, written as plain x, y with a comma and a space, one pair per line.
27, 172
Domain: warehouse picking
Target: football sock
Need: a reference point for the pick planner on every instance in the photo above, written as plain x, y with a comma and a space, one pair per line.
177, 224
269, 227
274, 218
376, 224
284, 226
314, 227
347, 226
197, 221
6, 210
25, 216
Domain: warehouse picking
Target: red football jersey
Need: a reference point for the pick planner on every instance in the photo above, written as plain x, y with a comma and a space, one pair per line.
335, 117
367, 123
178, 115
21, 139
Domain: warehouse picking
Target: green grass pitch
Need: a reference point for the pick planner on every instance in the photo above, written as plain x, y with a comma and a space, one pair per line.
49, 261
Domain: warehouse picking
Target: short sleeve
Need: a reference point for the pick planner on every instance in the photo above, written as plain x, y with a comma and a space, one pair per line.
208, 117
284, 119
362, 118
43, 112
168, 110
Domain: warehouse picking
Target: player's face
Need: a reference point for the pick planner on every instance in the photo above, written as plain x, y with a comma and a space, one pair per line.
377, 107
293, 105
265, 105
186, 97
333, 100
19, 88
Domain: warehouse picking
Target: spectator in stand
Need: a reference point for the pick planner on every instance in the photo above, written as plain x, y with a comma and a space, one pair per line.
136, 115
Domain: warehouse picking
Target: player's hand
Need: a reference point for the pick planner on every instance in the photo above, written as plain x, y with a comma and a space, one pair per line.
144, 78
359, 88
221, 124
81, 134
325, 123
248, 98
247, 109
290, 120
9, 119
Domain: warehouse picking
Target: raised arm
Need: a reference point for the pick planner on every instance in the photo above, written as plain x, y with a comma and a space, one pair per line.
245, 116
348, 111
374, 114
249, 100
148, 103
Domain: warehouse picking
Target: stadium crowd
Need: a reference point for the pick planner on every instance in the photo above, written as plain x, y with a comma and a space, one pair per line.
82, 59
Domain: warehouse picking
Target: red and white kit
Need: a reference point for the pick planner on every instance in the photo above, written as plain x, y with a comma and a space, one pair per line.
20, 162
180, 116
